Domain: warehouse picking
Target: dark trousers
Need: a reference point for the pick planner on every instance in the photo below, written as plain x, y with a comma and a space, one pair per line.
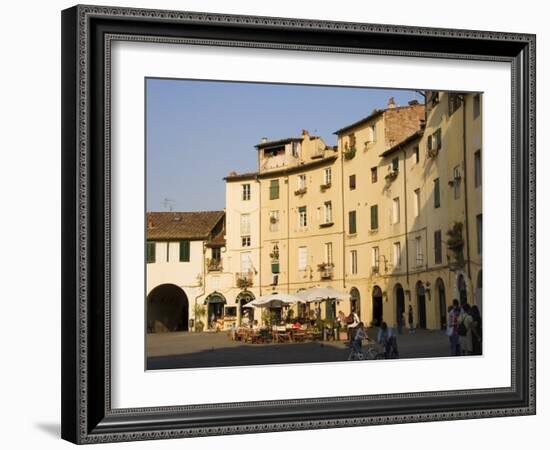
454, 341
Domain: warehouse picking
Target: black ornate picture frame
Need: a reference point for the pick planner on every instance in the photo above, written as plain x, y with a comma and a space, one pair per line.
87, 34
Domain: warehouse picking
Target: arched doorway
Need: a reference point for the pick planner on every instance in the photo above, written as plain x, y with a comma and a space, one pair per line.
442, 302
479, 290
245, 315
355, 301
167, 309
214, 308
462, 290
421, 304
399, 295
377, 307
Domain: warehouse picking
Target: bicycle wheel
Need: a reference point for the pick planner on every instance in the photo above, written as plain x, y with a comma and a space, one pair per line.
371, 354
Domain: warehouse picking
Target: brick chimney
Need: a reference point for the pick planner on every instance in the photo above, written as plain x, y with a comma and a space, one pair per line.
391, 103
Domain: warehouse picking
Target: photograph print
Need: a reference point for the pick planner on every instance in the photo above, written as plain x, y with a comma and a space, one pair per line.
292, 224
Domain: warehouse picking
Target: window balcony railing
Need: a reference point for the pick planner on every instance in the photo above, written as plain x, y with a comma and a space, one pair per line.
244, 280
214, 265
326, 271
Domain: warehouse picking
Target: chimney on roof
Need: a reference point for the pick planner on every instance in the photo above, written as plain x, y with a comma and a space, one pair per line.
391, 103
305, 133
232, 173
413, 102
263, 140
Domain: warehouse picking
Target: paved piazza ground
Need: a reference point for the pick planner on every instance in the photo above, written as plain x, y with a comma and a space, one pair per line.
208, 349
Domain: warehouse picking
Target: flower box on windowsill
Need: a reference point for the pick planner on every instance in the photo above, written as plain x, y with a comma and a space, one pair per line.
373, 231
300, 191
326, 224
432, 153
392, 175
350, 153
325, 186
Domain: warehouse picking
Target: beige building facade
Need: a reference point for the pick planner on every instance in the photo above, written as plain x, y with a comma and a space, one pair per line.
392, 214
375, 214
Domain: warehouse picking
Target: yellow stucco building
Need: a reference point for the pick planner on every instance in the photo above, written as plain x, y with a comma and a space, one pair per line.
391, 214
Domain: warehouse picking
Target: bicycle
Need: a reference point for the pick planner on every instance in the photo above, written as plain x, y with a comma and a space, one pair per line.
369, 352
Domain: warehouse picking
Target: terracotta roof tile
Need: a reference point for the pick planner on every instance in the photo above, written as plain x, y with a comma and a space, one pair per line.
196, 225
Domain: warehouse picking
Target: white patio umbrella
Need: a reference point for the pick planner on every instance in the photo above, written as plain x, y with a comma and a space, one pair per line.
273, 300
319, 294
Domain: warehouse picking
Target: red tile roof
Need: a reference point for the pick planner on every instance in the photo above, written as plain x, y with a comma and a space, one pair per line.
196, 225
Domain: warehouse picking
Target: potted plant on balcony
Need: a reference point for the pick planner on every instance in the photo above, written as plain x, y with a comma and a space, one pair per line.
455, 244
349, 153
392, 175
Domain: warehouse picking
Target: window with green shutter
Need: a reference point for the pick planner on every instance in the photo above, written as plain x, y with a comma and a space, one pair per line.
374, 217
274, 189
151, 251
184, 251
437, 199
352, 222
395, 164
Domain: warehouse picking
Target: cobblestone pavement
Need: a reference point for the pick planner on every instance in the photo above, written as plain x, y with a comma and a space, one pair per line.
193, 350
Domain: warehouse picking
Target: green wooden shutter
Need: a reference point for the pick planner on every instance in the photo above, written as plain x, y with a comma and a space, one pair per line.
395, 164
374, 217
184, 251
151, 252
352, 223
437, 200
274, 189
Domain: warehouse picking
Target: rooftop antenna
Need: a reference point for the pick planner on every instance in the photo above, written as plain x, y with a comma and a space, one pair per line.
168, 204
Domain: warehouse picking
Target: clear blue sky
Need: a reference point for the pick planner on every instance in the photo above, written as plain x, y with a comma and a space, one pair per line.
199, 131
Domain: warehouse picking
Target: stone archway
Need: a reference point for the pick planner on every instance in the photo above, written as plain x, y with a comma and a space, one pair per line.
245, 315
399, 295
420, 305
214, 308
355, 301
377, 306
167, 309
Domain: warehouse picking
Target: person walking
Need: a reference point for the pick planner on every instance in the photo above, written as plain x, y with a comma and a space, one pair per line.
452, 328
476, 330
387, 339
410, 319
353, 322
358, 337
400, 321
464, 330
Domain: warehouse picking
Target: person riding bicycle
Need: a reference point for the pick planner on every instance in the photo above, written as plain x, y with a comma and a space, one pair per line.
388, 340
360, 334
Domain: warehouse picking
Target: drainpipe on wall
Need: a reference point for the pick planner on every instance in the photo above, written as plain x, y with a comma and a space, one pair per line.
406, 215
203, 287
288, 234
343, 223
465, 178
259, 233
